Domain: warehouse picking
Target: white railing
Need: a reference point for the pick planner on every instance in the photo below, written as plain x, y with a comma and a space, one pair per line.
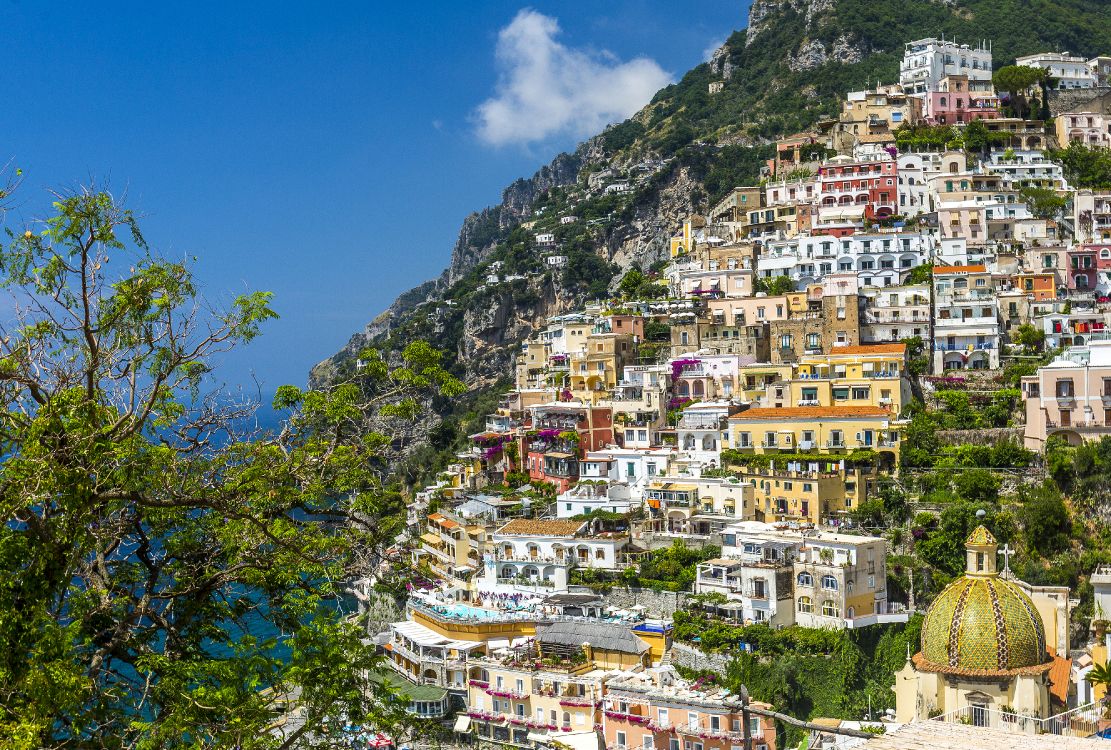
1082, 721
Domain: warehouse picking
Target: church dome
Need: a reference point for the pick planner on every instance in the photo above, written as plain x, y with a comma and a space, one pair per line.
982, 622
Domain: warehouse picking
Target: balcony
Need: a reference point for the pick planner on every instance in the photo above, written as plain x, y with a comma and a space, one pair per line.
835, 443
809, 402
1065, 402
978, 346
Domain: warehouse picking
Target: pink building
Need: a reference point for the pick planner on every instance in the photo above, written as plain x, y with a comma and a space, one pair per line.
1070, 397
659, 709
955, 104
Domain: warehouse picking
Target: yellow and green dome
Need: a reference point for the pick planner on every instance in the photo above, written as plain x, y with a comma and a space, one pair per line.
982, 622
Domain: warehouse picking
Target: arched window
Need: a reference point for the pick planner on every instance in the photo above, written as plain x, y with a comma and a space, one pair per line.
805, 604
805, 579
688, 444
1105, 253
943, 101
698, 389
708, 443
829, 609
829, 583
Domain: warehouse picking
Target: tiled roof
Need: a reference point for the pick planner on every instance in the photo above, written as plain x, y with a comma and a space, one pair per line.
447, 523
536, 527
1059, 675
922, 665
890, 348
980, 536
960, 269
810, 412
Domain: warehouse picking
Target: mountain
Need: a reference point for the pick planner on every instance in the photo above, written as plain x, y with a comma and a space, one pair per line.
683, 151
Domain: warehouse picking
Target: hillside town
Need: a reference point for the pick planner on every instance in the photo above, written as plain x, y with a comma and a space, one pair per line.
743, 407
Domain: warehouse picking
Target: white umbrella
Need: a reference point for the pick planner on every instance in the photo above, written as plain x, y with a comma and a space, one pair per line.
639, 608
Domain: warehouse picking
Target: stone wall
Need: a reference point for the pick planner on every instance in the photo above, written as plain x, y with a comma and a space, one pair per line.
690, 657
657, 604
1080, 100
991, 436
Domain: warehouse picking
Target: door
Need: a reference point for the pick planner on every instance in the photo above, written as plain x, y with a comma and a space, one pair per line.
979, 715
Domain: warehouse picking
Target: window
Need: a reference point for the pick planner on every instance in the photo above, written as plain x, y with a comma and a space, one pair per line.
860, 392
621, 739
805, 579
1064, 388
806, 604
829, 583
829, 609
840, 394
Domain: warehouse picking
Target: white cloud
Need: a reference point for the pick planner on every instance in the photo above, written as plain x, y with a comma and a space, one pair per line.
547, 89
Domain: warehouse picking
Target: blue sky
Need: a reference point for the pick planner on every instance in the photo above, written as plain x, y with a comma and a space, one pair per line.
327, 152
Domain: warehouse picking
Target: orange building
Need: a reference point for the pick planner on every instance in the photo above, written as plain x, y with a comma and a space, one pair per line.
1042, 286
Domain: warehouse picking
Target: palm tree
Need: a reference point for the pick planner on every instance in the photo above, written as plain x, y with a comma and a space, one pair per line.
1100, 674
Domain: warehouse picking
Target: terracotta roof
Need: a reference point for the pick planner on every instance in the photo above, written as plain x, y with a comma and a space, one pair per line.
891, 348
447, 523
1059, 675
536, 527
922, 665
809, 412
960, 269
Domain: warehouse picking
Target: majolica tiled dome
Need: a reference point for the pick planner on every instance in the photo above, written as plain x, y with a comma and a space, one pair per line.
982, 622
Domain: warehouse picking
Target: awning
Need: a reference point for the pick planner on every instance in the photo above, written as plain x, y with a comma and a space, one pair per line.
463, 723
557, 455
430, 538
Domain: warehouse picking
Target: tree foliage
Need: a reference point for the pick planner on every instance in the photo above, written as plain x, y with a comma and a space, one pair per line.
168, 574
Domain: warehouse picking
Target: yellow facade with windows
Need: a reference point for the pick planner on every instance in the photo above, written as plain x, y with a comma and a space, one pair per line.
833, 430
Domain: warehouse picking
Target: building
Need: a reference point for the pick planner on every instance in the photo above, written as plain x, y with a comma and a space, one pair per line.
895, 313
983, 651
1069, 72
813, 579
966, 327
534, 554
818, 429
452, 549
1070, 397
1086, 128
927, 61
866, 375
657, 708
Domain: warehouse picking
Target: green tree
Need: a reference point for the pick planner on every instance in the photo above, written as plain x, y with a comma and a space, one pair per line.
1043, 202
1045, 519
1017, 80
166, 572
977, 485
923, 274
1028, 336
775, 286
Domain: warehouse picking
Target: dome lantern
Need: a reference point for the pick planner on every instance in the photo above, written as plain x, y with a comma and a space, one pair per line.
981, 550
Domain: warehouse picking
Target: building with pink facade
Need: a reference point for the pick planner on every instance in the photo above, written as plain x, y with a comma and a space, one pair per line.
656, 708
1070, 397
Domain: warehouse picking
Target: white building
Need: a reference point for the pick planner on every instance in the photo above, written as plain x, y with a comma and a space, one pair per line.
1070, 72
895, 313
701, 430
537, 555
926, 61
587, 497
1024, 167
966, 324
814, 579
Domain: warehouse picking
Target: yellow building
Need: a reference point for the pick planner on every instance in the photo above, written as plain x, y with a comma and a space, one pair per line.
452, 550
804, 495
826, 430
553, 684
868, 375
596, 369
684, 243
